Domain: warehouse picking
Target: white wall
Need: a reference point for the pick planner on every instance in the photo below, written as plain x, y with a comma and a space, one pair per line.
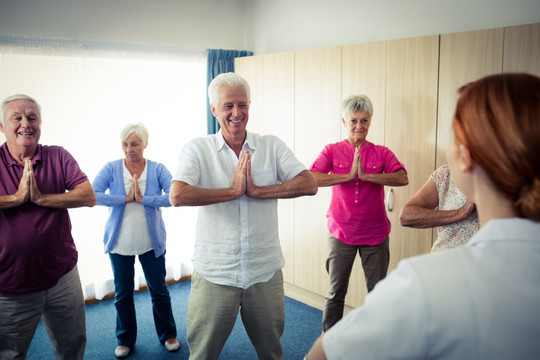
263, 26
187, 23
286, 25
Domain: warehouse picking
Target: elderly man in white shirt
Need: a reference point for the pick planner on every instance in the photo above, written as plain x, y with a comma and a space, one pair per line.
236, 178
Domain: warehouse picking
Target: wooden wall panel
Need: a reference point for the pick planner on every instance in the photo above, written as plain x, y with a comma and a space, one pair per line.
278, 99
464, 57
317, 123
364, 72
522, 49
411, 118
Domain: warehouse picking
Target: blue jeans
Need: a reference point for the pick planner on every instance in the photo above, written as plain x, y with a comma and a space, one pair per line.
154, 272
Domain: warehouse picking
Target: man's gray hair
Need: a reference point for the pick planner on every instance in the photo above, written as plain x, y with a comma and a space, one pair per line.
226, 79
17, 97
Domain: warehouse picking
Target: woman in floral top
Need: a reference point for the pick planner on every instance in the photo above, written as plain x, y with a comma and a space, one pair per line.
440, 203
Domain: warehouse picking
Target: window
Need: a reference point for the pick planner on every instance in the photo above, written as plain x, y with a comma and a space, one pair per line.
88, 93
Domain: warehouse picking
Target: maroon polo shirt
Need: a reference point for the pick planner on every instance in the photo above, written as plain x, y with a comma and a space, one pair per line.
36, 245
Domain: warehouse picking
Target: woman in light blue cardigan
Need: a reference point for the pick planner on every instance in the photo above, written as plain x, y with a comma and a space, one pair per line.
135, 189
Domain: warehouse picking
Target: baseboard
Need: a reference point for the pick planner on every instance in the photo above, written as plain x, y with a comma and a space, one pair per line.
308, 297
294, 292
141, 288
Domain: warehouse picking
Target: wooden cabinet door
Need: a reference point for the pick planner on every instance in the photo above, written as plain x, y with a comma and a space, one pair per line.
522, 49
411, 119
317, 123
464, 57
278, 99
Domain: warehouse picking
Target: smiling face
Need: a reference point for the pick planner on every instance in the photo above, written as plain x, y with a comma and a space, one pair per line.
22, 126
357, 123
232, 112
133, 148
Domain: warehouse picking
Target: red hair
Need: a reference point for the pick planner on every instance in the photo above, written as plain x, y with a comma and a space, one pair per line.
498, 119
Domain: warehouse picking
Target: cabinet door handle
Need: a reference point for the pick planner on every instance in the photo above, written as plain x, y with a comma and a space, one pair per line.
390, 200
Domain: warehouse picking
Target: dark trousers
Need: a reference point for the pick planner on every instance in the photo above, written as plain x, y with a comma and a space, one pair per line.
124, 283
375, 259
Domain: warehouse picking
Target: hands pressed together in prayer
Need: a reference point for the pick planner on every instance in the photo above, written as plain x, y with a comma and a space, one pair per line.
28, 189
135, 191
357, 170
243, 180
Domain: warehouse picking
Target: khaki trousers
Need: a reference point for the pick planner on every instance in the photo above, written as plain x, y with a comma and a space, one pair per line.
63, 311
213, 309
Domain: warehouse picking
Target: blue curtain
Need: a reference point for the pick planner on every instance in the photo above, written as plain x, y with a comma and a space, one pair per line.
219, 61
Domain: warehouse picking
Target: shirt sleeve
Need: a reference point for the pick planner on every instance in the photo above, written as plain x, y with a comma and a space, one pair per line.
390, 325
102, 183
323, 163
161, 183
188, 169
391, 162
73, 173
288, 166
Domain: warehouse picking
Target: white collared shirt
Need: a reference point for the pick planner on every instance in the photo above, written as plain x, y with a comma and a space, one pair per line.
478, 301
237, 242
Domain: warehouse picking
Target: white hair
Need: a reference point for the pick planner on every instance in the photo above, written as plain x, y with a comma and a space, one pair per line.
355, 103
226, 79
139, 129
17, 97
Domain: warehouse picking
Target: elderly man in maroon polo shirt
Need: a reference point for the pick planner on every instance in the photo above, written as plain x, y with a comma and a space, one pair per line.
38, 258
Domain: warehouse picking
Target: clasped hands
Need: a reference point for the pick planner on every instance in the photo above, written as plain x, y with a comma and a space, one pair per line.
357, 170
28, 189
243, 180
135, 191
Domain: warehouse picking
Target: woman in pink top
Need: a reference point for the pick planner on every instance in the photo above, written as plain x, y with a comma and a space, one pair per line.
357, 170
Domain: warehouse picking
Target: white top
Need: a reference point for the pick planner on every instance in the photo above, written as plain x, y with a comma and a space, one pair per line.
451, 198
237, 242
133, 238
478, 301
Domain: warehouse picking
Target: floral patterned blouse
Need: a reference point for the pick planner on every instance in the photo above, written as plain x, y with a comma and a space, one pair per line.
451, 198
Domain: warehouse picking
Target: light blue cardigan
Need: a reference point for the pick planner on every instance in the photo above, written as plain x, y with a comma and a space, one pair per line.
156, 195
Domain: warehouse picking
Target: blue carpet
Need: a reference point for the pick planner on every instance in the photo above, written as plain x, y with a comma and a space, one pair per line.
302, 327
